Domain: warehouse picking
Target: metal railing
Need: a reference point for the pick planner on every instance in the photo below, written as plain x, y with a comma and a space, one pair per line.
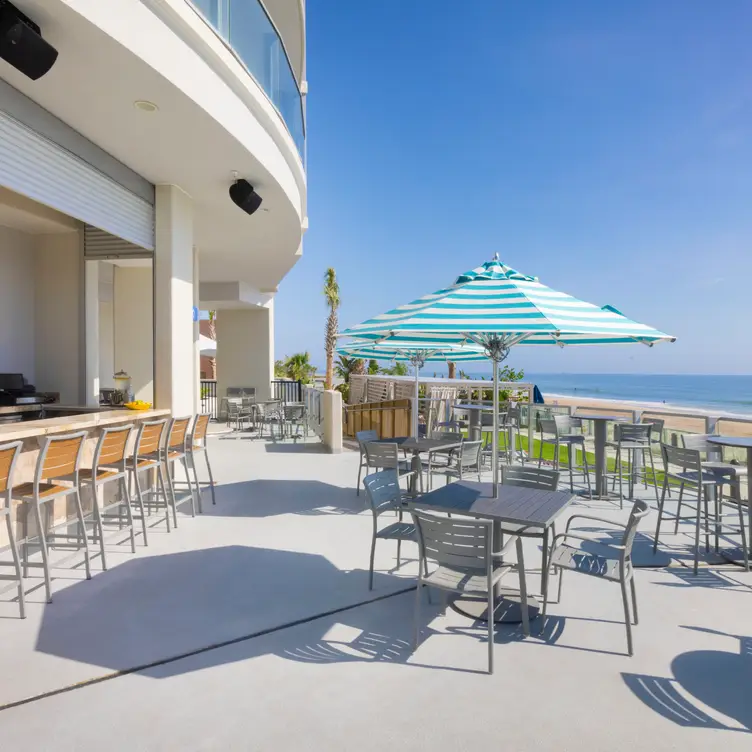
287, 390
248, 30
209, 397
313, 399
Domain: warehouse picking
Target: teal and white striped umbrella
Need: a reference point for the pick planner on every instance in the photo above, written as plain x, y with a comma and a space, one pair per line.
494, 299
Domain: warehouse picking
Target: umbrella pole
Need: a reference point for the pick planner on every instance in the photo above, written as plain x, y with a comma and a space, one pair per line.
416, 400
495, 435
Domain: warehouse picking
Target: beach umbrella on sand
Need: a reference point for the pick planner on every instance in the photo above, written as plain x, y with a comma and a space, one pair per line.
498, 308
416, 353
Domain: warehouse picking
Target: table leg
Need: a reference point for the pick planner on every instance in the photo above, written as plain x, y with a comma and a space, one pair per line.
473, 427
736, 555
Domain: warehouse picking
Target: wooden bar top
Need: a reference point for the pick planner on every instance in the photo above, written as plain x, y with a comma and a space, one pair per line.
86, 420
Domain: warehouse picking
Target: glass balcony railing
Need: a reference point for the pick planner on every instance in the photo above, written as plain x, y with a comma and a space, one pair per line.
246, 27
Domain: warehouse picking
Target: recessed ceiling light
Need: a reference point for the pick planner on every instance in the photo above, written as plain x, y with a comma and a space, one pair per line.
145, 106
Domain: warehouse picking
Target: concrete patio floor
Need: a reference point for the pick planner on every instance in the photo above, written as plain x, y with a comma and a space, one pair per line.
308, 658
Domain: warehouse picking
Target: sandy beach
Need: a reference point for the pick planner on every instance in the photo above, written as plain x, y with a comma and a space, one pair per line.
677, 418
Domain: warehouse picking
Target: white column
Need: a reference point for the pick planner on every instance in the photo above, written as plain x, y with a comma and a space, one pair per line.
91, 303
196, 336
174, 359
245, 349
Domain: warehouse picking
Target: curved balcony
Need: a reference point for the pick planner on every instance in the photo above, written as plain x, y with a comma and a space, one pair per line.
246, 27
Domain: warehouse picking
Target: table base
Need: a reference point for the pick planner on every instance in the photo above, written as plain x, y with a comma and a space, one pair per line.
733, 555
507, 608
608, 496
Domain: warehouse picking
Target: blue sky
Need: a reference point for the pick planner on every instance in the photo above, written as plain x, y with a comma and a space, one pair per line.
604, 147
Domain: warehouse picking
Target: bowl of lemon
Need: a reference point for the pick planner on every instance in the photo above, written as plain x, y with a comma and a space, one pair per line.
138, 405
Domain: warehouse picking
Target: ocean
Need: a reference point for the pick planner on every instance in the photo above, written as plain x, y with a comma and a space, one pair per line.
722, 394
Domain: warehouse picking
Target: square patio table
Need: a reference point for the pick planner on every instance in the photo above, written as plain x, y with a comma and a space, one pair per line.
514, 505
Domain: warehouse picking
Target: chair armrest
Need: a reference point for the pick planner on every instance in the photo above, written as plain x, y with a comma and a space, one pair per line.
585, 538
592, 518
506, 548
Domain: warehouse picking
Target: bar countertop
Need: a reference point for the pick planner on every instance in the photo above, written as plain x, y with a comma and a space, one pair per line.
88, 419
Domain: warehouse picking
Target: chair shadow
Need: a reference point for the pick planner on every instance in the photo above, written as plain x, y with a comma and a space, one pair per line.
269, 498
713, 679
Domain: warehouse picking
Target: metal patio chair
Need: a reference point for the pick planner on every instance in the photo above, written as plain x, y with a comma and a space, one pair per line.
146, 460
612, 562
466, 460
633, 439
564, 430
176, 450
385, 495
684, 466
363, 437
467, 565
540, 478
8, 456
382, 455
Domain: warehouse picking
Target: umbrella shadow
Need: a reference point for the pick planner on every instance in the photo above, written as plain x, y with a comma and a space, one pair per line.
149, 612
708, 689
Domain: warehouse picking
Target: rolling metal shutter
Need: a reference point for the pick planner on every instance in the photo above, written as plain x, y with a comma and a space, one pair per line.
100, 245
40, 169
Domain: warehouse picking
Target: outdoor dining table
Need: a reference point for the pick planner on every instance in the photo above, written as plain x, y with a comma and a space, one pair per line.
514, 505
417, 447
474, 427
601, 422
736, 555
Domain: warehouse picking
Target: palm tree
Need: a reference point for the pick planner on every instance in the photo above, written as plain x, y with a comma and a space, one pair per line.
298, 367
331, 293
344, 367
213, 335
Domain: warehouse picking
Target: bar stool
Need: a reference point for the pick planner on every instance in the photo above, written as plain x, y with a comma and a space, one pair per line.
561, 426
8, 456
632, 438
147, 457
197, 445
175, 450
59, 461
108, 466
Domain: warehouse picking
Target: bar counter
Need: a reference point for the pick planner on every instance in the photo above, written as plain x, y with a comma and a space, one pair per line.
33, 433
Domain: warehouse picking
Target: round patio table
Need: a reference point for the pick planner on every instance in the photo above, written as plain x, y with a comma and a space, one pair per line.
601, 422
736, 555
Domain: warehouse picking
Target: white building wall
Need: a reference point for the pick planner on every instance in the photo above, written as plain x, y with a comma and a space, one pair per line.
106, 325
17, 303
134, 328
58, 319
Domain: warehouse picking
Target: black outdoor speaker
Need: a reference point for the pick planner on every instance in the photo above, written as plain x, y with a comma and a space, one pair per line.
21, 43
243, 195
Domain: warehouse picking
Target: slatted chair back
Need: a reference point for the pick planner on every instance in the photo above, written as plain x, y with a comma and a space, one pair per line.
565, 424
679, 460
525, 476
8, 455
383, 491
699, 441
112, 446
633, 432
548, 425
640, 510
60, 456
656, 426
513, 415
149, 437
200, 427
233, 408
294, 412
455, 543
178, 433
383, 455
469, 455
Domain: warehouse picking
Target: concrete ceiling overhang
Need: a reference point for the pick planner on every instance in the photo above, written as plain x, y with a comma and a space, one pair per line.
201, 133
